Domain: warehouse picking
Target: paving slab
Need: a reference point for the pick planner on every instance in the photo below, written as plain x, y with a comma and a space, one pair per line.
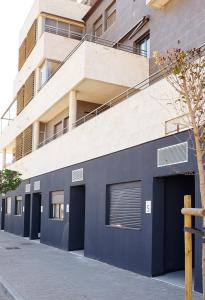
33, 271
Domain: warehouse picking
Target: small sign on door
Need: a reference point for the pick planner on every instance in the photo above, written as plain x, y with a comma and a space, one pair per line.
67, 208
41, 208
148, 207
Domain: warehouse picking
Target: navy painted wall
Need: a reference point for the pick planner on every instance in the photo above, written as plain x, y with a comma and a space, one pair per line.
125, 248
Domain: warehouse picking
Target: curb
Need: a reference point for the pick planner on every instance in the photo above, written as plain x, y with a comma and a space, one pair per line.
9, 291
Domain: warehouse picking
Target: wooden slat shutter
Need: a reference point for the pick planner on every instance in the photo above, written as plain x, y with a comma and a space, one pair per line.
22, 55
20, 100
27, 140
19, 146
31, 38
125, 205
29, 89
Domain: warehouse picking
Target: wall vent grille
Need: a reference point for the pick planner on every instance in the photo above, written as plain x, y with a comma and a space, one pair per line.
28, 188
77, 175
175, 154
37, 185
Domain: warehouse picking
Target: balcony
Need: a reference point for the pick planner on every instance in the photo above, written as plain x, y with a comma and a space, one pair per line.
47, 47
95, 68
157, 3
119, 126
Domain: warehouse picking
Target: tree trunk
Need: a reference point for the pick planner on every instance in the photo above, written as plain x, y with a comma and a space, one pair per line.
199, 155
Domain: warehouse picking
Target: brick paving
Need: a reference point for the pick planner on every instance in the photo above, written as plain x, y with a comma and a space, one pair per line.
34, 271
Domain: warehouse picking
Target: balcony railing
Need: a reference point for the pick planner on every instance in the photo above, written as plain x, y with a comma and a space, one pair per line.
128, 93
99, 41
175, 125
63, 32
9, 115
6, 118
52, 137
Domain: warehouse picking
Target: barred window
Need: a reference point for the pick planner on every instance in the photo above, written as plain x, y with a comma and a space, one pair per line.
63, 28
98, 27
110, 15
8, 205
19, 205
57, 205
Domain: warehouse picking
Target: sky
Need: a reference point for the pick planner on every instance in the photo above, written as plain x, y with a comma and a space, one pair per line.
17, 11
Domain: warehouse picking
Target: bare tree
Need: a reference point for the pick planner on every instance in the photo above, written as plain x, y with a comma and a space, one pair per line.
185, 71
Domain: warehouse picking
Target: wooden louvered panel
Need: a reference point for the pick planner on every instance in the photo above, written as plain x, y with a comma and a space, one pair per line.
31, 38
29, 89
22, 54
27, 140
19, 146
20, 100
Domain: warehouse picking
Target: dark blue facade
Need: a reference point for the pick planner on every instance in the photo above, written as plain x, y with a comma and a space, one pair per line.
135, 250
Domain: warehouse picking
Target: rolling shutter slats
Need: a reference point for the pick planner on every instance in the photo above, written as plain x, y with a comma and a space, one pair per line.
125, 205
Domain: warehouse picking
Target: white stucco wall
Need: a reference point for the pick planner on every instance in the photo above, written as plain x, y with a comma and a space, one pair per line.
87, 62
63, 8
137, 120
49, 46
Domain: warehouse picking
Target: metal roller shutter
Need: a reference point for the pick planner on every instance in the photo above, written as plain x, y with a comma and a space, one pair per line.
125, 205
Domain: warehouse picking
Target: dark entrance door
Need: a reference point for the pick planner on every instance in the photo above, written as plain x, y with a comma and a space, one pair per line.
175, 189
35, 222
3, 214
27, 214
168, 223
77, 218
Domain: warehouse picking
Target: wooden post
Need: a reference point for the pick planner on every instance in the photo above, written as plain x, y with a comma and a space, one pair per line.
188, 250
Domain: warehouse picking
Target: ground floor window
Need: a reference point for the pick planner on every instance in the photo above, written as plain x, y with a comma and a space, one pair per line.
19, 205
124, 205
57, 205
8, 205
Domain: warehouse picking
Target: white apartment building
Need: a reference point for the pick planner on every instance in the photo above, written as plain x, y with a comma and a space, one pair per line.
101, 152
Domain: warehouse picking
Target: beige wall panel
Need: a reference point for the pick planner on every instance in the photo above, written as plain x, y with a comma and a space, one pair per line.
84, 63
143, 115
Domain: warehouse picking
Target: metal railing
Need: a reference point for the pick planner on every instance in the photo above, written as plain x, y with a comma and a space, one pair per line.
99, 41
9, 115
71, 34
53, 137
177, 124
63, 32
128, 93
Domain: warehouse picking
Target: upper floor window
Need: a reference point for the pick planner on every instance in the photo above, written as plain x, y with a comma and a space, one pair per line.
58, 129
63, 28
8, 205
143, 45
57, 205
110, 15
19, 205
46, 70
98, 27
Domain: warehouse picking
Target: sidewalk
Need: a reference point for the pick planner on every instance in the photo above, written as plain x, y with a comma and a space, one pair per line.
32, 271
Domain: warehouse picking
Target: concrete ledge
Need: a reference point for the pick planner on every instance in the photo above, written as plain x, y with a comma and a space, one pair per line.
10, 293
